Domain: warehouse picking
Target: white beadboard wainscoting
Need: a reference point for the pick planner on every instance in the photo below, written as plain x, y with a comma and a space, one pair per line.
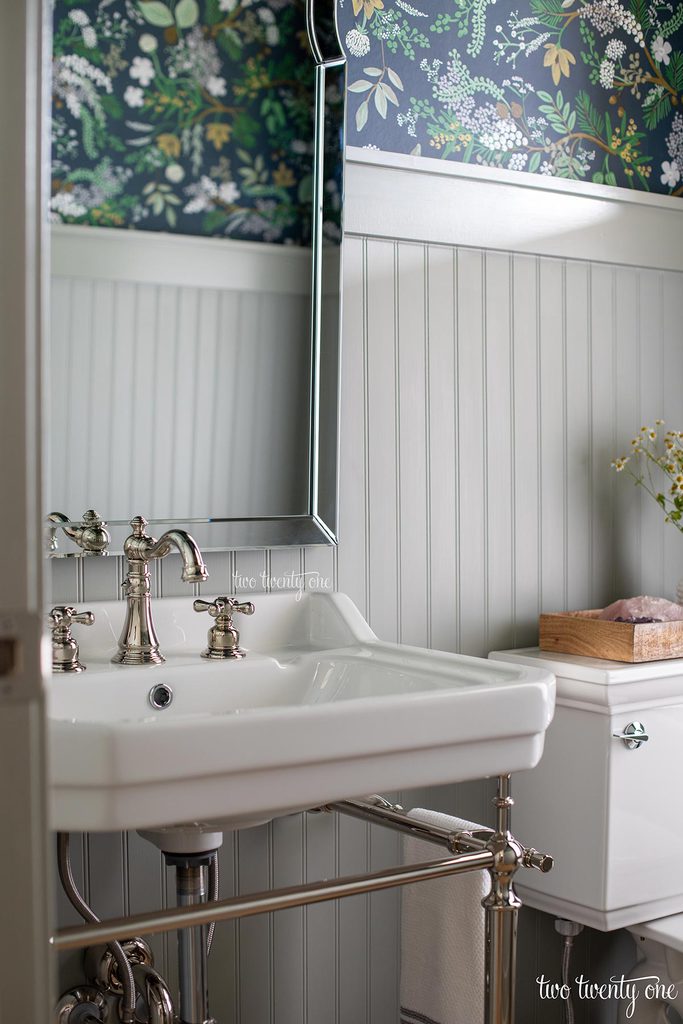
175, 373
484, 392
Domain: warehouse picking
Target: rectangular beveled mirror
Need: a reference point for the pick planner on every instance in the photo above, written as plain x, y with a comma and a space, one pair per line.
197, 186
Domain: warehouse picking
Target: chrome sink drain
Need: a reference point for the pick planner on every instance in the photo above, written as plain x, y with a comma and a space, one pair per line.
160, 696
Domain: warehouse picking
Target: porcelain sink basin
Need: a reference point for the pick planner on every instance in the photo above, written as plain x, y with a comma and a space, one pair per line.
319, 710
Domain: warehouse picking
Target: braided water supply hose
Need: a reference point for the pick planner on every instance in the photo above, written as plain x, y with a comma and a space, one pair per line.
569, 930
125, 972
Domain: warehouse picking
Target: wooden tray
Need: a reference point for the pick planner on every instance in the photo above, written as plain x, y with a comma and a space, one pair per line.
583, 633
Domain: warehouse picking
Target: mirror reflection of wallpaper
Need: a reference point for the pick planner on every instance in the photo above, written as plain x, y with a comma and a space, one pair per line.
584, 89
193, 116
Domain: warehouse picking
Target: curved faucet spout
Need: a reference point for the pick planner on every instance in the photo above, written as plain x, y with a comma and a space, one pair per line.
194, 570
138, 643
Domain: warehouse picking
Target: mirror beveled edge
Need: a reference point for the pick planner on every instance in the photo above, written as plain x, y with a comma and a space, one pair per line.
318, 525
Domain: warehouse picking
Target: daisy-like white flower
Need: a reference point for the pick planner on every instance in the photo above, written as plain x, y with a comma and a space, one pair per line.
142, 69
357, 43
671, 174
134, 96
174, 173
215, 85
228, 192
619, 463
661, 49
147, 42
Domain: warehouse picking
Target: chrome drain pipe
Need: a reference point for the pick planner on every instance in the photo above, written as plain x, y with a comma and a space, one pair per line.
193, 943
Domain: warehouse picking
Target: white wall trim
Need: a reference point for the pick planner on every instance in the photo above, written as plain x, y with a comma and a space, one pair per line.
391, 195
154, 257
411, 198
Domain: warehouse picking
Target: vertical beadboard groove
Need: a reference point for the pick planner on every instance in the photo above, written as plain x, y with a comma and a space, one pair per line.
513, 444
565, 436
591, 434
456, 448
366, 426
545, 446
486, 630
539, 434
428, 444
397, 429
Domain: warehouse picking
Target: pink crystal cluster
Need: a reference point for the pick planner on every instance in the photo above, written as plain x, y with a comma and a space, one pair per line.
642, 609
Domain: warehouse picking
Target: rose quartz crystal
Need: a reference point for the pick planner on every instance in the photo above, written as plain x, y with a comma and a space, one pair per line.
643, 607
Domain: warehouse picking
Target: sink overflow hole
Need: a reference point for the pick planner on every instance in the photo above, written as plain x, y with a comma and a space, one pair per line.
160, 696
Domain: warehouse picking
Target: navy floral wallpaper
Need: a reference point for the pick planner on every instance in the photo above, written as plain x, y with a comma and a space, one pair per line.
585, 89
185, 115
195, 116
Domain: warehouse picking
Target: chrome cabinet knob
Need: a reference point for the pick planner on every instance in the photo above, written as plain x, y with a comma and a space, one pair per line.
633, 736
223, 638
65, 657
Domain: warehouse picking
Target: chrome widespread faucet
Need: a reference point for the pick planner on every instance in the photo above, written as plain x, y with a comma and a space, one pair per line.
138, 643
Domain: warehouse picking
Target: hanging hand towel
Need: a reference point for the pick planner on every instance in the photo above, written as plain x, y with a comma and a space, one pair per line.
442, 937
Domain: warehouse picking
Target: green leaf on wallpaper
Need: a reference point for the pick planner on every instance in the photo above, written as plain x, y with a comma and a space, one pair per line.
389, 93
673, 24
395, 79
156, 13
548, 12
212, 12
381, 103
588, 117
657, 110
88, 133
212, 220
373, 72
639, 9
535, 162
231, 43
598, 178
186, 13
244, 130
362, 85
674, 70
610, 178
305, 191
111, 106
362, 116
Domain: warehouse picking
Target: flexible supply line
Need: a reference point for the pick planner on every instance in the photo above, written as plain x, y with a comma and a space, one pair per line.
125, 972
213, 897
568, 930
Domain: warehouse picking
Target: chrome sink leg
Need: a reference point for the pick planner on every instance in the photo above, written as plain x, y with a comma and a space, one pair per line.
192, 888
502, 909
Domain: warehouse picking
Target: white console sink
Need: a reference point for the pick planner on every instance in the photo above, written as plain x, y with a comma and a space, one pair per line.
319, 710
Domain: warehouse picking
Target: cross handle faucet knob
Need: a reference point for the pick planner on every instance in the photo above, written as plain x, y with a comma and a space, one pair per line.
224, 639
65, 655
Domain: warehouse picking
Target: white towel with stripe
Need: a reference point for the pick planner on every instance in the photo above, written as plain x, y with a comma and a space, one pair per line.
442, 936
